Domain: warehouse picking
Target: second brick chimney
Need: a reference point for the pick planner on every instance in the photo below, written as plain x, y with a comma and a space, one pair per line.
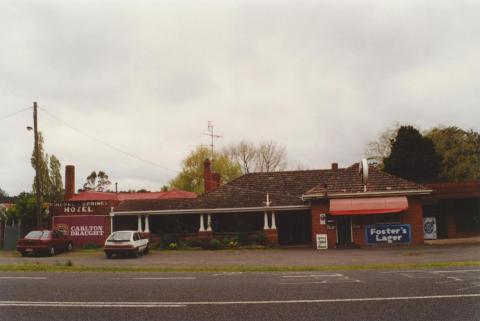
211, 180
69, 182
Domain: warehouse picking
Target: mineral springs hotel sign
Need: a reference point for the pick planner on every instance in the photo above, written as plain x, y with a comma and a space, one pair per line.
82, 208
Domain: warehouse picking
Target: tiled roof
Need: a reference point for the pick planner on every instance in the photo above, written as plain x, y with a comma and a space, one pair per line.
249, 190
446, 190
108, 196
349, 180
284, 189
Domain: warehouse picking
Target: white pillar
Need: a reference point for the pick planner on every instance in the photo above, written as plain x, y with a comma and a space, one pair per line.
202, 227
139, 228
265, 221
147, 225
209, 222
111, 219
274, 226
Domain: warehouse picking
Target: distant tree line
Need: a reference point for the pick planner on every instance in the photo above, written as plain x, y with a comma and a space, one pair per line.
439, 154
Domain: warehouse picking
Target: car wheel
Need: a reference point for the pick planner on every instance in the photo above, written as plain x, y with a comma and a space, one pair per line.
136, 253
109, 255
52, 251
70, 247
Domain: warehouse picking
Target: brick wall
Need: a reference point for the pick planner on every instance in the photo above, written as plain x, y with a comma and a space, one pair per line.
321, 207
414, 216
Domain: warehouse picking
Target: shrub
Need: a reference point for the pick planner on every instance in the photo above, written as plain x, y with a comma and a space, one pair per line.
88, 246
168, 239
173, 246
260, 238
242, 238
215, 244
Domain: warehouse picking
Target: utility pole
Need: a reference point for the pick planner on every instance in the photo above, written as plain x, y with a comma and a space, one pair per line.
37, 170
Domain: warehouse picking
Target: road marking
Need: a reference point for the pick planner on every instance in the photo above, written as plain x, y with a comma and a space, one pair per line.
185, 304
455, 271
23, 277
168, 278
312, 275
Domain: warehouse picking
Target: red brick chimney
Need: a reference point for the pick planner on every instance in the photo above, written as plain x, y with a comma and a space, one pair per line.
69, 182
207, 176
211, 179
215, 180
334, 166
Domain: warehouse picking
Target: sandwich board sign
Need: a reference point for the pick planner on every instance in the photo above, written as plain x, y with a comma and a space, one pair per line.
322, 241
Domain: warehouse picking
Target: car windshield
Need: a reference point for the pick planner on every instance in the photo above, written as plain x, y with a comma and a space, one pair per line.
120, 236
37, 235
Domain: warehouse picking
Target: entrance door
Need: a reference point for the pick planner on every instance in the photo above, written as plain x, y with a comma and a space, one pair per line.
344, 230
294, 228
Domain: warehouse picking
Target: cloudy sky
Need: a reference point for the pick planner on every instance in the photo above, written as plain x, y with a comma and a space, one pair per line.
322, 78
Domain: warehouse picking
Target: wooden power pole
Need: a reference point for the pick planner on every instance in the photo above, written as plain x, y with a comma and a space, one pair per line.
38, 196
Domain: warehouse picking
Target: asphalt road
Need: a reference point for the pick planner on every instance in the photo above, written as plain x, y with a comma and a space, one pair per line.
435, 294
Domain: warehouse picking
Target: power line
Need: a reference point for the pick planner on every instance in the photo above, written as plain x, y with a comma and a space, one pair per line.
108, 144
145, 160
15, 113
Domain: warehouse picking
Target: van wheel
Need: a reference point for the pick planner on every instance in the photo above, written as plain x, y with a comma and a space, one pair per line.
69, 247
109, 255
52, 251
146, 249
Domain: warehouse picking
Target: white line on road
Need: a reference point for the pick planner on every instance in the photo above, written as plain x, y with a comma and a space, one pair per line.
168, 278
184, 304
23, 277
312, 275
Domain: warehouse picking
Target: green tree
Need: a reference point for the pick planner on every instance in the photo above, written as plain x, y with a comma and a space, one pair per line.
24, 211
3, 193
413, 156
51, 185
460, 152
191, 176
55, 178
97, 182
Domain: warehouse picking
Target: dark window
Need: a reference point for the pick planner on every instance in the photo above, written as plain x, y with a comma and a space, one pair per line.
467, 215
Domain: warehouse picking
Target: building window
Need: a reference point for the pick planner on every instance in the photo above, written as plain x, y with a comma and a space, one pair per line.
467, 215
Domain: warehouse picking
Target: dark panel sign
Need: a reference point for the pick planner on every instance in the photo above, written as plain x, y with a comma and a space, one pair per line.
391, 233
81, 208
84, 229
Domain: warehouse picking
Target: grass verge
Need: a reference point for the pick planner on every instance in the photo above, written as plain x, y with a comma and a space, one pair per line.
68, 266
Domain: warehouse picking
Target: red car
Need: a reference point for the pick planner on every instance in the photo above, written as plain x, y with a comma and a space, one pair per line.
45, 242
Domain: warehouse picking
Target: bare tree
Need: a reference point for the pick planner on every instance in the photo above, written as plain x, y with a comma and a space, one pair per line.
271, 157
245, 154
378, 150
97, 182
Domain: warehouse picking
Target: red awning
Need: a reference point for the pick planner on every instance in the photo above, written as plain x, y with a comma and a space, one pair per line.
374, 205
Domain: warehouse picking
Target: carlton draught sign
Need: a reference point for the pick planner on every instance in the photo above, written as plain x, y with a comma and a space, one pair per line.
83, 229
391, 233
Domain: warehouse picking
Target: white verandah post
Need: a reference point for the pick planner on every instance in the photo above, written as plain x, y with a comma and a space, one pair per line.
274, 226
147, 225
265, 221
209, 222
202, 226
139, 225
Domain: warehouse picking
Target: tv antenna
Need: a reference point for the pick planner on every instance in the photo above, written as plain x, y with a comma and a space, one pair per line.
212, 136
